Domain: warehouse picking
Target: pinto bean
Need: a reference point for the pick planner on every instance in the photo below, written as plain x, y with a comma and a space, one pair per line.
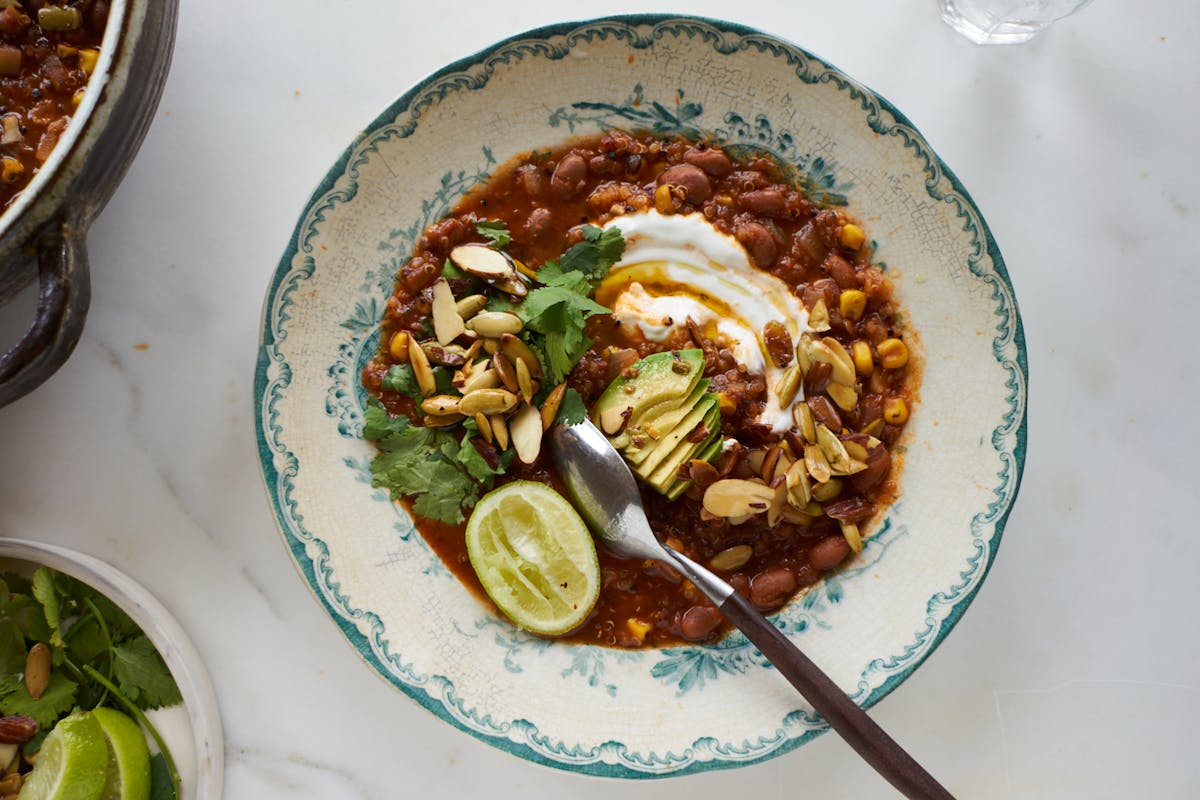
537, 223
841, 271
879, 463
829, 552
693, 180
698, 622
852, 509
767, 202
824, 412
569, 176
758, 241
714, 162
771, 587
532, 180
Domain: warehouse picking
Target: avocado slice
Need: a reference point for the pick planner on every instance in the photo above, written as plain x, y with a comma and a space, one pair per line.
665, 476
667, 444
664, 381
706, 453
651, 430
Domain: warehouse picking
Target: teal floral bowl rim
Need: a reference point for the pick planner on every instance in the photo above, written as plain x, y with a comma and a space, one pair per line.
437, 693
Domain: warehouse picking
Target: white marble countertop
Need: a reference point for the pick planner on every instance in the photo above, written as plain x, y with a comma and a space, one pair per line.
1075, 672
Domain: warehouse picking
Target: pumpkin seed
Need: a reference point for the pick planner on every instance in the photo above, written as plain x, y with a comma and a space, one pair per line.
846, 397
470, 305
824, 492
485, 426
525, 382
798, 486
842, 363
818, 318
731, 557
833, 450
440, 404
817, 464
855, 450
552, 404
514, 349
734, 497
37, 670
526, 431
447, 324
775, 510
499, 430
802, 414
487, 401
505, 370
852, 536
493, 324
789, 384
441, 420
481, 379
421, 368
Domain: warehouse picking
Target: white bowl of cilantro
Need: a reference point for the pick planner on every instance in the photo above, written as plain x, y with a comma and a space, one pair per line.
100, 688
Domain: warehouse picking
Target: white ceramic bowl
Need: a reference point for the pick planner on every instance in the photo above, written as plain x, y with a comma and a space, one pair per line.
198, 746
682, 709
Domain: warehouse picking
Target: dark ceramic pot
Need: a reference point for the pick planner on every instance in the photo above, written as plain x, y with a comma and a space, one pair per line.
43, 235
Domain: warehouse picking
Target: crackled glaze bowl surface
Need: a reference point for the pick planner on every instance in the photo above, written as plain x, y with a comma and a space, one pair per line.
682, 709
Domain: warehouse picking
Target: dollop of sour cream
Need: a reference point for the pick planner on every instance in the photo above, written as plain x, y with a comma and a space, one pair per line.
680, 266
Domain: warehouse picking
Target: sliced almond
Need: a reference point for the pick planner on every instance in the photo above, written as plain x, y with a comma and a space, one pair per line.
731, 557
734, 497
842, 363
481, 379
472, 352
775, 510
487, 401
482, 262
499, 430
802, 414
525, 382
817, 464
797, 517
798, 486
754, 460
818, 317
789, 384
447, 324
846, 397
37, 670
494, 324
514, 349
421, 368
485, 426
612, 419
526, 430
767, 469
552, 404
505, 370
440, 404
470, 305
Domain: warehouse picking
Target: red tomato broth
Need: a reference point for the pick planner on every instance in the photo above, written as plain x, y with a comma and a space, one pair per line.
545, 198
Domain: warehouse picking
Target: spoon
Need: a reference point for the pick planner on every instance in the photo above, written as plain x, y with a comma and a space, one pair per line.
607, 497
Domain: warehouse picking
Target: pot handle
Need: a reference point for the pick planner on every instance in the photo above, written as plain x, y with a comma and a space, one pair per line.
63, 299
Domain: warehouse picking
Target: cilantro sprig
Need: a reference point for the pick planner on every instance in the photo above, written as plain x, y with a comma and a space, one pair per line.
99, 656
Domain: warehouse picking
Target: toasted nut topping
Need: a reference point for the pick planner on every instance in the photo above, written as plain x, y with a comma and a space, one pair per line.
789, 384
440, 404
817, 464
398, 347
514, 349
702, 473
833, 450
855, 450
846, 397
612, 419
767, 470
481, 379
447, 324
733, 497
449, 356
526, 430
488, 401
482, 261
504, 368
441, 420
525, 381
485, 426
499, 430
852, 536
843, 365
778, 503
421, 368
893, 353
798, 487
493, 324
818, 317
491, 346
804, 422
470, 305
824, 492
37, 670
552, 404
732, 557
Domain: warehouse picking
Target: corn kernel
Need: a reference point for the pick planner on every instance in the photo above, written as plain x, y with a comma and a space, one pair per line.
11, 169
88, 59
662, 199
726, 403
77, 98
852, 304
893, 353
895, 411
65, 50
639, 628
398, 347
851, 236
860, 351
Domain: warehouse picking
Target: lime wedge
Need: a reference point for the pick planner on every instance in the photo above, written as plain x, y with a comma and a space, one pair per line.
534, 557
128, 757
71, 762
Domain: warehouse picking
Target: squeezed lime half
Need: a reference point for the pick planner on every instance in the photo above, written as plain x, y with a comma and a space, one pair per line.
535, 557
128, 776
71, 763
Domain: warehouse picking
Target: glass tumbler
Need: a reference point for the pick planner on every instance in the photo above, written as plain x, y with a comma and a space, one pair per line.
1005, 21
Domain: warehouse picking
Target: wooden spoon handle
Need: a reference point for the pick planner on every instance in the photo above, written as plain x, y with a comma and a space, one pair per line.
843, 714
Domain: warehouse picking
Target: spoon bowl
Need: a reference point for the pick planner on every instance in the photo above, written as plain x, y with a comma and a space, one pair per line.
606, 495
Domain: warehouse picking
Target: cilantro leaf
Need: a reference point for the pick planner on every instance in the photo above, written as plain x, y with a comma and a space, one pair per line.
45, 593
12, 648
379, 424
162, 787
143, 675
58, 699
572, 410
475, 464
595, 255
449, 271
401, 378
495, 231
424, 463
447, 490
